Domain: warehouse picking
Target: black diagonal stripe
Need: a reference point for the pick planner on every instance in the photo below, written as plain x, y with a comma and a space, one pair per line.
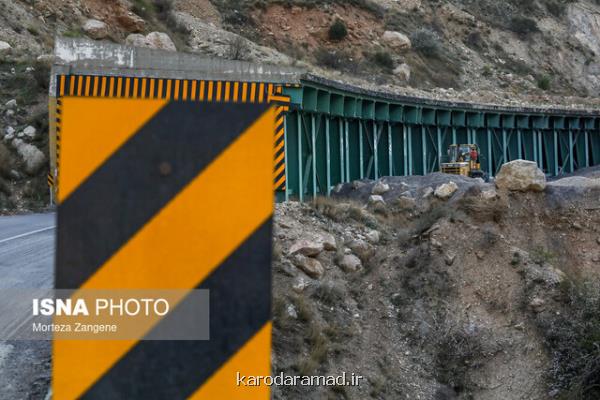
139, 179
240, 292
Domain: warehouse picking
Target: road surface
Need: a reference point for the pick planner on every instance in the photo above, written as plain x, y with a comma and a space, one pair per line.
26, 261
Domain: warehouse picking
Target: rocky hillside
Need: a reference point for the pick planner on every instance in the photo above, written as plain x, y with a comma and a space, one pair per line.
442, 288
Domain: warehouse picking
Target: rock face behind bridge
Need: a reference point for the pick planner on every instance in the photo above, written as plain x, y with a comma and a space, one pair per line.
521, 175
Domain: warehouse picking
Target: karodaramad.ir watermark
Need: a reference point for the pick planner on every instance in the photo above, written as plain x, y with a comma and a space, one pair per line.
343, 379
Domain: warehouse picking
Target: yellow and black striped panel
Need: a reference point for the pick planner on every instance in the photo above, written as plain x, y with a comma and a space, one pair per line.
192, 211
182, 89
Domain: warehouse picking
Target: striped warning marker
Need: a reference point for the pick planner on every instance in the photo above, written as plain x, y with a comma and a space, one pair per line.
151, 198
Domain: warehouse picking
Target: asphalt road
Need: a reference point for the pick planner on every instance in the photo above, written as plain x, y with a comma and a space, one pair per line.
26, 262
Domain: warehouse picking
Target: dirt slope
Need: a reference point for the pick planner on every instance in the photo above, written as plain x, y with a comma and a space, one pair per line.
458, 299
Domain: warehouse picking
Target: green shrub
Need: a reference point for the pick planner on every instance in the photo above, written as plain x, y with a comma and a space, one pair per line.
331, 59
383, 59
338, 30
544, 82
523, 26
425, 41
556, 7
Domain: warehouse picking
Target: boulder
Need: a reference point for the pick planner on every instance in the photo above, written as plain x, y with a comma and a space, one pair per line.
154, 40
376, 199
4, 47
299, 284
95, 29
30, 132
11, 104
310, 266
291, 311
402, 71
380, 188
361, 248
328, 241
396, 40
306, 247
446, 190
350, 263
137, 40
32, 157
521, 175
161, 41
373, 236
406, 203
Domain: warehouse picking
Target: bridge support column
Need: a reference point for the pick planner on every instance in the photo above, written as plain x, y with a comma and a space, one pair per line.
535, 152
375, 155
390, 150
300, 164
555, 137
313, 149
424, 150
286, 158
347, 150
360, 149
342, 158
439, 147
410, 157
587, 148
489, 153
328, 155
405, 148
571, 160
540, 150
504, 147
520, 143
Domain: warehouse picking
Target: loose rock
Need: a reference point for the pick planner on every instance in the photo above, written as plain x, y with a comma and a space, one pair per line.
396, 40
310, 266
521, 175
328, 241
306, 247
4, 47
375, 199
373, 236
154, 40
95, 29
33, 158
30, 131
446, 190
380, 188
11, 104
350, 263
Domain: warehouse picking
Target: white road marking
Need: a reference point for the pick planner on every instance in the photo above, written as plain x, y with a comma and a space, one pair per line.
28, 234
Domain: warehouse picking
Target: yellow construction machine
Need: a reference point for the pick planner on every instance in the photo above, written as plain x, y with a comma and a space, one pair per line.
463, 159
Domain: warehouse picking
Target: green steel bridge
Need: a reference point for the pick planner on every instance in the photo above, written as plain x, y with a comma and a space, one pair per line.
334, 132
338, 133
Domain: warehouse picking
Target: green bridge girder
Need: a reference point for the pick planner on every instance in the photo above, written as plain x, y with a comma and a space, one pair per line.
336, 133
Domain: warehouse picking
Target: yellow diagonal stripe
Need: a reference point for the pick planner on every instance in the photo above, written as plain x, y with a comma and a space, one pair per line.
92, 129
253, 359
180, 246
